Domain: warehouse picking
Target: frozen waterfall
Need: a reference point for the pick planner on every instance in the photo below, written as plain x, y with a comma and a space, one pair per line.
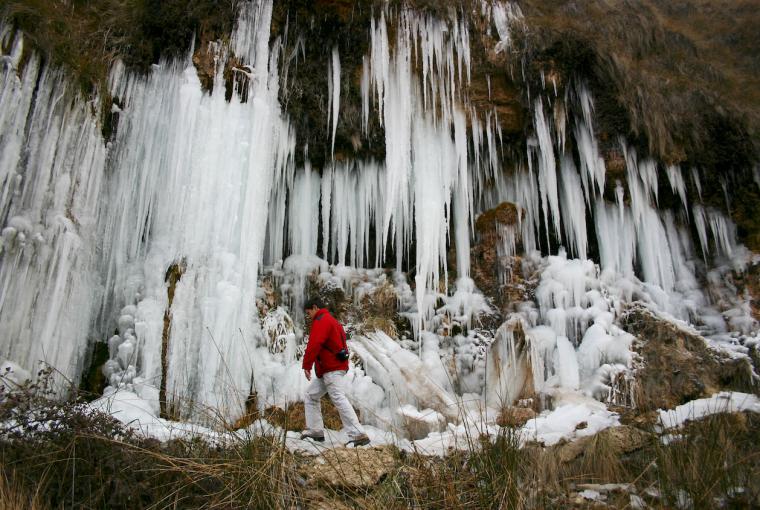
209, 188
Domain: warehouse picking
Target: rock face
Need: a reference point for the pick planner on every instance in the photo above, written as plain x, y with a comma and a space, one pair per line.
677, 365
495, 266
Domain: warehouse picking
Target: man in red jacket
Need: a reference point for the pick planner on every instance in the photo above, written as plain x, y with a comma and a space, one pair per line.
328, 353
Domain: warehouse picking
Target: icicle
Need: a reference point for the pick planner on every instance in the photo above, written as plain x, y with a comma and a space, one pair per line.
591, 162
616, 238
333, 85
653, 246
697, 183
365, 90
462, 197
326, 193
547, 168
700, 224
723, 231
677, 184
573, 208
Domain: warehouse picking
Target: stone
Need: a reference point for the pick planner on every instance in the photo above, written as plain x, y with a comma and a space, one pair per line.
676, 365
621, 440
349, 468
418, 425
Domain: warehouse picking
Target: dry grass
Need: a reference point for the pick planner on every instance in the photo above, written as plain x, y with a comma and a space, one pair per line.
710, 460
15, 496
663, 67
379, 311
84, 37
58, 454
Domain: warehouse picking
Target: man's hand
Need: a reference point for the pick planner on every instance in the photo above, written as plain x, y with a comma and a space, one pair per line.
307, 373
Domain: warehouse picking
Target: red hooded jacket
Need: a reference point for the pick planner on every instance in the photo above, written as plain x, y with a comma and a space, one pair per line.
325, 340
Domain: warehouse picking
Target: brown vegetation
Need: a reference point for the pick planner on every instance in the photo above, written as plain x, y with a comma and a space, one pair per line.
666, 66
84, 459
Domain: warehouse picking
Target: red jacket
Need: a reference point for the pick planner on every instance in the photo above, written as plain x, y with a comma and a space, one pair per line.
325, 340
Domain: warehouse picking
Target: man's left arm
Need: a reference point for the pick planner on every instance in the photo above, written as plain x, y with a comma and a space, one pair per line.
317, 338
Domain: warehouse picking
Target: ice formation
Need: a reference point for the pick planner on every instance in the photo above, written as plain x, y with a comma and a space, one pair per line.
208, 189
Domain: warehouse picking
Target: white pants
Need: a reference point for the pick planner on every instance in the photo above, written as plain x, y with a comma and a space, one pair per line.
331, 383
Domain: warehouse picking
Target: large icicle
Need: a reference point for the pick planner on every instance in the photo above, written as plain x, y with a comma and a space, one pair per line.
333, 108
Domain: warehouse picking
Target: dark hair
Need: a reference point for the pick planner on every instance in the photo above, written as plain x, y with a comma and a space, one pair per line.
311, 303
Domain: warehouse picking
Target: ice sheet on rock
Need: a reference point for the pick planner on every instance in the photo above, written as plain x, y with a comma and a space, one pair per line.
12, 376
508, 367
466, 304
403, 375
723, 402
199, 193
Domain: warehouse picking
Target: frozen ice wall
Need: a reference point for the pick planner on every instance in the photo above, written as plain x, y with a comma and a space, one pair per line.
52, 160
193, 176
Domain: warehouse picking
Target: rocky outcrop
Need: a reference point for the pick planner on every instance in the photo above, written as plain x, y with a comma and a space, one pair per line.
617, 441
349, 469
496, 272
676, 365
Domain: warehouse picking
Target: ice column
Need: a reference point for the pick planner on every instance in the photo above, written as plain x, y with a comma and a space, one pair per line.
52, 159
192, 182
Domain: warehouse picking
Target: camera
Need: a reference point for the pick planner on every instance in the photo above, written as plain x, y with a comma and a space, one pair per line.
342, 355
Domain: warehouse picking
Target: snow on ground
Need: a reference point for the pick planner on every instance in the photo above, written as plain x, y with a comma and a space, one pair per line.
723, 402
574, 417
139, 415
570, 421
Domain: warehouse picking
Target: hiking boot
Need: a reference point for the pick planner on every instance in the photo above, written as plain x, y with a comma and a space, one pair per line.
314, 436
359, 441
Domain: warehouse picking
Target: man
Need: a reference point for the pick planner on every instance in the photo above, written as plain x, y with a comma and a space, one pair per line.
328, 353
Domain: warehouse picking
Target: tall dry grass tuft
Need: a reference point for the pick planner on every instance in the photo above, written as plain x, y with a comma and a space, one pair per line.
489, 475
711, 462
75, 457
16, 496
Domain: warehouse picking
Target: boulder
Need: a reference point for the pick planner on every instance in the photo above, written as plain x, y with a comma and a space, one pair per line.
676, 365
619, 440
349, 468
419, 424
